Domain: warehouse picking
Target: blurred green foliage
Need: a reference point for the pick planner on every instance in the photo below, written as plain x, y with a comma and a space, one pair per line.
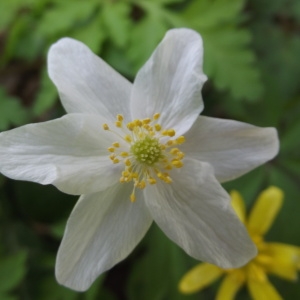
252, 60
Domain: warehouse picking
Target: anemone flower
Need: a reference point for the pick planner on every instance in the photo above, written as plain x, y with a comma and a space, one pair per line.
137, 153
278, 259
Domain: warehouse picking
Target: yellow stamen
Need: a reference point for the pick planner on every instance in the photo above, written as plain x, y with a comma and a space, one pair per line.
105, 127
171, 132
157, 127
118, 124
156, 116
174, 151
180, 140
138, 123
151, 180
130, 126
116, 160
128, 138
132, 197
146, 157
120, 118
142, 184
127, 162
177, 163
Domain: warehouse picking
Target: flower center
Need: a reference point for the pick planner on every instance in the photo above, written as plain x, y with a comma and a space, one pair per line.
147, 151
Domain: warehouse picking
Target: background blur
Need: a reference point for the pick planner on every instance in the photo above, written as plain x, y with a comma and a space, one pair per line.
252, 59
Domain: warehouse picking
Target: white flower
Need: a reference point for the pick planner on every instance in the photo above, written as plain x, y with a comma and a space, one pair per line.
138, 152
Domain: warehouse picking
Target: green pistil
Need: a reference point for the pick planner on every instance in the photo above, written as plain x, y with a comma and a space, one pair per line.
147, 151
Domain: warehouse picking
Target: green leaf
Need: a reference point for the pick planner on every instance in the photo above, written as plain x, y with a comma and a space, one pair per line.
228, 60
10, 8
46, 96
280, 61
290, 142
11, 111
7, 297
166, 2
58, 229
49, 289
144, 38
156, 275
64, 16
286, 228
12, 270
115, 16
229, 63
96, 288
92, 34
206, 14
249, 184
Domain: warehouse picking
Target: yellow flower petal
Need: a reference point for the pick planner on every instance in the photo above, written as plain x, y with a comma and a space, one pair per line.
265, 210
262, 290
231, 285
238, 205
199, 277
285, 260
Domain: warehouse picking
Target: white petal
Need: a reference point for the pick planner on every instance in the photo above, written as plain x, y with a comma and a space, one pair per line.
70, 153
195, 212
101, 231
232, 148
170, 82
85, 82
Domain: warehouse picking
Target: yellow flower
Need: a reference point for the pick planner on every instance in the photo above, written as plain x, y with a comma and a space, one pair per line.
273, 258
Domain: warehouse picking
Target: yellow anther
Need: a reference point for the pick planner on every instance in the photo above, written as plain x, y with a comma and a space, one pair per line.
156, 116
118, 124
138, 123
177, 163
128, 138
174, 151
120, 118
151, 151
127, 162
168, 180
130, 126
142, 184
160, 175
180, 140
148, 127
157, 127
171, 132
135, 175
125, 173
132, 197
151, 180
180, 155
